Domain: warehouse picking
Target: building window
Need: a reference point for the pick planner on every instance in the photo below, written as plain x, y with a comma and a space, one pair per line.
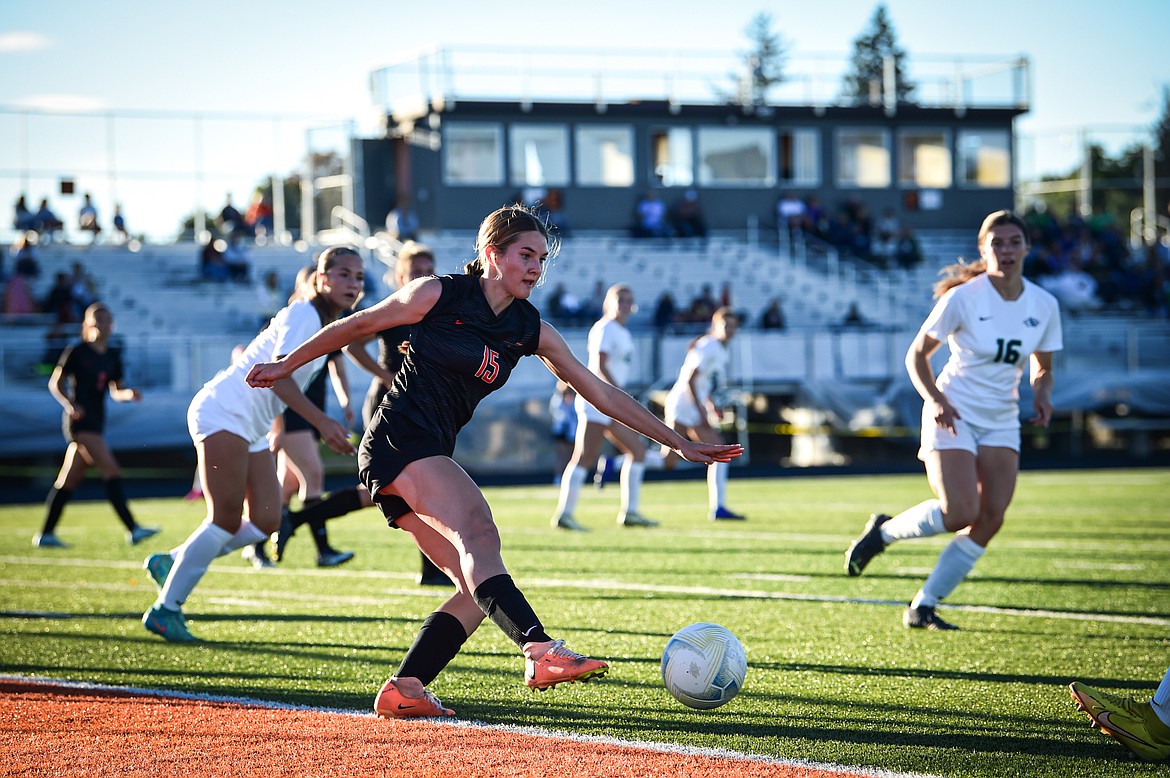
673, 153
799, 155
605, 155
538, 155
472, 154
863, 158
985, 158
924, 159
739, 156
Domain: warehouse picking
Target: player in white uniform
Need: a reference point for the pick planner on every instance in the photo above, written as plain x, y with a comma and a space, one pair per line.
611, 357
229, 422
691, 406
993, 321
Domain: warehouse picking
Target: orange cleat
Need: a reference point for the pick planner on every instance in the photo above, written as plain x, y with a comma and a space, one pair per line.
558, 664
393, 704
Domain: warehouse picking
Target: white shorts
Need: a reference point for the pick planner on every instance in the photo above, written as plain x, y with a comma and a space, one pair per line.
682, 411
967, 437
587, 413
205, 417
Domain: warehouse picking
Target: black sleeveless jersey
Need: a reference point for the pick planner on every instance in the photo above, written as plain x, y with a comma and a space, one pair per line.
389, 340
91, 373
459, 353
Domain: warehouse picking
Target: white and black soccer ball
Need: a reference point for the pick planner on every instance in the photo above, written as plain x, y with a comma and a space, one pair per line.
704, 665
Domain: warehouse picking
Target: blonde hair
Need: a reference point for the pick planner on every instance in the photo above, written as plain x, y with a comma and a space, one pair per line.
502, 227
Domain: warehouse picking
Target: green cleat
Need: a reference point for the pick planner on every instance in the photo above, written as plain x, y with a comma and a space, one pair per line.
1133, 724
168, 624
159, 567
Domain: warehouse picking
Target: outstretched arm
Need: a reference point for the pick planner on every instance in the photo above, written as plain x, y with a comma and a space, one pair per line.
406, 306
618, 405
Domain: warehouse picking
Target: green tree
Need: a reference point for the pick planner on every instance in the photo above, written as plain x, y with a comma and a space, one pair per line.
1162, 156
763, 64
863, 83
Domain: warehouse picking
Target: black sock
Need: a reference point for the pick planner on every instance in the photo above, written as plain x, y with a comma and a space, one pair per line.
54, 505
429, 568
436, 644
505, 605
117, 498
320, 536
330, 507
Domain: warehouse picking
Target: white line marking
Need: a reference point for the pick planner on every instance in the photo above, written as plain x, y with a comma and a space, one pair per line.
666, 748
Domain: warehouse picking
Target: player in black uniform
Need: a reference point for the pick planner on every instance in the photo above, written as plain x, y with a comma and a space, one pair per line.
469, 331
94, 369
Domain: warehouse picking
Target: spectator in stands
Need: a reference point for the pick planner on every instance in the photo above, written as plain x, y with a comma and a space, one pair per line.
553, 211
564, 307
993, 321
212, 266
402, 222
408, 450
772, 317
59, 301
259, 215
611, 358
686, 216
853, 317
664, 313
791, 215
87, 218
1075, 289
84, 375
594, 306
693, 409
23, 219
563, 429
650, 217
46, 222
19, 301
24, 255
907, 252
120, 233
230, 221
235, 259
703, 306
229, 423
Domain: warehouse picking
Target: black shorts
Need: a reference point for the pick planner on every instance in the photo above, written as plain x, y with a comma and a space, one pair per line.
70, 428
390, 444
294, 422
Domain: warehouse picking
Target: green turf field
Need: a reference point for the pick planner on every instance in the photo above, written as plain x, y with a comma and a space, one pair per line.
1076, 587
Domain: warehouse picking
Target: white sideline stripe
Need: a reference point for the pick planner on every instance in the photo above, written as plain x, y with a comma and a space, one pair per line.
552, 734
233, 596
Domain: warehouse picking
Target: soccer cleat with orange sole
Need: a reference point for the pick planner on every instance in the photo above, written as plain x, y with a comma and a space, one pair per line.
558, 665
393, 704
1133, 724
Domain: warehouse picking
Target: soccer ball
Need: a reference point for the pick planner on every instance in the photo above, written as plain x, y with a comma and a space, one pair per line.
703, 665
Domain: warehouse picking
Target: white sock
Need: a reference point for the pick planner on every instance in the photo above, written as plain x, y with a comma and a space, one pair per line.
191, 562
632, 473
654, 460
246, 535
921, 521
717, 485
953, 565
571, 491
1161, 700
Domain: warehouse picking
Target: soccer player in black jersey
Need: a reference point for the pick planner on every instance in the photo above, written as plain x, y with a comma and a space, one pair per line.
94, 370
469, 332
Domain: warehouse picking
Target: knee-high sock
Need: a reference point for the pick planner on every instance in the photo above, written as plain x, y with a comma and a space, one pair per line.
571, 491
436, 644
334, 504
717, 485
953, 565
505, 605
631, 479
1161, 700
191, 562
54, 505
246, 535
921, 521
117, 497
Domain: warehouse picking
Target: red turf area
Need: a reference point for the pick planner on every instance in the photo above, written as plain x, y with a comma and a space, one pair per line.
52, 730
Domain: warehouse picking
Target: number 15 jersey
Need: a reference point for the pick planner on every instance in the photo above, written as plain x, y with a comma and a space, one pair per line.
991, 340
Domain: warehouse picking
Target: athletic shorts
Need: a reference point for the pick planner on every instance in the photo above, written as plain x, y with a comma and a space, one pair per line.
967, 437
204, 419
390, 444
680, 411
587, 413
70, 428
294, 422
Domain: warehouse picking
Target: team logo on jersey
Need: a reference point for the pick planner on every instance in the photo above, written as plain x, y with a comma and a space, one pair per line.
1031, 322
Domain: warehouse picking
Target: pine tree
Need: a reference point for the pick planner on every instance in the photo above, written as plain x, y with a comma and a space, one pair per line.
763, 64
863, 84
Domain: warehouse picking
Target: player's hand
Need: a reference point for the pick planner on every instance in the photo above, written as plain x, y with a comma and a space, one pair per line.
709, 453
1043, 411
945, 415
136, 395
336, 436
265, 374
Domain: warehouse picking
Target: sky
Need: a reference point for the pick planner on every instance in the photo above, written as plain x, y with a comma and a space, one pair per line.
1095, 68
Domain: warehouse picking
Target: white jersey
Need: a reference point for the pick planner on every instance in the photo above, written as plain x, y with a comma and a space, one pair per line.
612, 338
227, 401
991, 340
709, 360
